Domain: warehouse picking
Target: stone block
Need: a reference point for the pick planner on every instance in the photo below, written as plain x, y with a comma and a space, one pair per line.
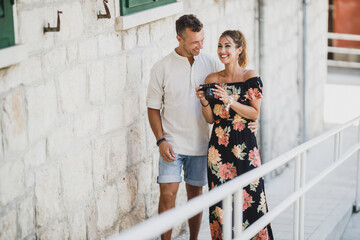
14, 123
26, 217
115, 77
88, 49
73, 89
209, 14
111, 118
91, 220
58, 230
110, 44
129, 38
72, 52
146, 65
35, 156
100, 154
157, 30
72, 25
1, 147
137, 141
91, 23
11, 181
31, 23
47, 194
144, 178
76, 176
41, 108
107, 207
60, 140
142, 104
96, 83
54, 60
26, 72
150, 139
133, 71
78, 225
86, 124
118, 155
143, 35
152, 202
131, 109
8, 225
127, 222
139, 209
127, 188
29, 179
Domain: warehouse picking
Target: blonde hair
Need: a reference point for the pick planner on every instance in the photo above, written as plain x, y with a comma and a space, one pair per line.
240, 41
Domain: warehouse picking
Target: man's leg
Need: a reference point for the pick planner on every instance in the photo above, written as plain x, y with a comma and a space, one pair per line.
167, 201
194, 222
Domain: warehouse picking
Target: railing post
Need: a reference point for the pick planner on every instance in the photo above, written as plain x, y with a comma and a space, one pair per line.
337, 146
302, 198
227, 212
299, 205
238, 212
356, 207
297, 202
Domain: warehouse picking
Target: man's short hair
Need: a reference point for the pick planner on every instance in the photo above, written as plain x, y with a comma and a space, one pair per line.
188, 21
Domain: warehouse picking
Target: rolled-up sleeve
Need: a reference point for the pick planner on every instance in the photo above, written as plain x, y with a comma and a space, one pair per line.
155, 91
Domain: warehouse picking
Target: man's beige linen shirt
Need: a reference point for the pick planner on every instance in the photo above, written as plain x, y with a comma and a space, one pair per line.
172, 90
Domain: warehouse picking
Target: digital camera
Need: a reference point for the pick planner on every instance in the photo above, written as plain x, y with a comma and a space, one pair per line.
208, 89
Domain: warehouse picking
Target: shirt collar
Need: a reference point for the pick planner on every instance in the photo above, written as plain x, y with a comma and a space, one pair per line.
182, 58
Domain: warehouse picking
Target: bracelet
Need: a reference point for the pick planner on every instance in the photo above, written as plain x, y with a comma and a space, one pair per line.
203, 104
160, 141
231, 99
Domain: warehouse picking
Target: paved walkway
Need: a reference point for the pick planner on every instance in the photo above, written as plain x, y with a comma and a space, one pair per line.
352, 231
329, 202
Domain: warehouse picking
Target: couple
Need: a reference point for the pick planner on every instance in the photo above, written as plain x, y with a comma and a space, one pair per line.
180, 123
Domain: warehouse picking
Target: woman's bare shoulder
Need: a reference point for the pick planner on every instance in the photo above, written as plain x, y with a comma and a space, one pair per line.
250, 73
213, 77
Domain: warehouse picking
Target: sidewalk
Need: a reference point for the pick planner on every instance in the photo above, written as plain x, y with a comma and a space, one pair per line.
327, 203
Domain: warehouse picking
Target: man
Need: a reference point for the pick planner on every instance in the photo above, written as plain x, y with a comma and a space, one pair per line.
176, 120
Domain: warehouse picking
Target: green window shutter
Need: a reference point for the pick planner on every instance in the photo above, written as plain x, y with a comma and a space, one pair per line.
133, 6
7, 36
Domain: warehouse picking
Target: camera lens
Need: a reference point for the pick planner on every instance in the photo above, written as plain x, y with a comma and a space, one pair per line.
209, 94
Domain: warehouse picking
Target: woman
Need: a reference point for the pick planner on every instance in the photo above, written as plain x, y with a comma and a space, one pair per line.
232, 148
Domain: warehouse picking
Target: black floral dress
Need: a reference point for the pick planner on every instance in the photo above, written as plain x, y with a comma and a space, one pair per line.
233, 151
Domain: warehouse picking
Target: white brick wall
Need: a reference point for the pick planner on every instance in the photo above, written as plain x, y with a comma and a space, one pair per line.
77, 156
14, 122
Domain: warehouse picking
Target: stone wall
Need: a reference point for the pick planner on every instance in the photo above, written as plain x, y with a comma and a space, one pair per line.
78, 159
316, 66
282, 71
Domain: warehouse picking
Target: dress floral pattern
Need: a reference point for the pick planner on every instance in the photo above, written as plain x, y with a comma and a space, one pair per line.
233, 151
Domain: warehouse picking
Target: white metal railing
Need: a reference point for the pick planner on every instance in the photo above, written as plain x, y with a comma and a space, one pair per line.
156, 225
353, 51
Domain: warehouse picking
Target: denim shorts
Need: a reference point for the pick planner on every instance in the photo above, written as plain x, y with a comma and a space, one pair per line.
195, 170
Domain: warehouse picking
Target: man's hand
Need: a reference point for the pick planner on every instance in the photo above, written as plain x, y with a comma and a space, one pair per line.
253, 126
166, 151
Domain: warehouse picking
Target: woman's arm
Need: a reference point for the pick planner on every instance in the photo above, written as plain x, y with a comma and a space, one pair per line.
250, 112
205, 105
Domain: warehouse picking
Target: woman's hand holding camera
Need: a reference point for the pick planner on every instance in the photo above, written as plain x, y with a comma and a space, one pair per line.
222, 94
200, 94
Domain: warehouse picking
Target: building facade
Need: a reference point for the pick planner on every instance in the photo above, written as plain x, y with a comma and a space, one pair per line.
78, 159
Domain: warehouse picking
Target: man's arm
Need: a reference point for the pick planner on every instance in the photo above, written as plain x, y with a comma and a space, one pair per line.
166, 151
